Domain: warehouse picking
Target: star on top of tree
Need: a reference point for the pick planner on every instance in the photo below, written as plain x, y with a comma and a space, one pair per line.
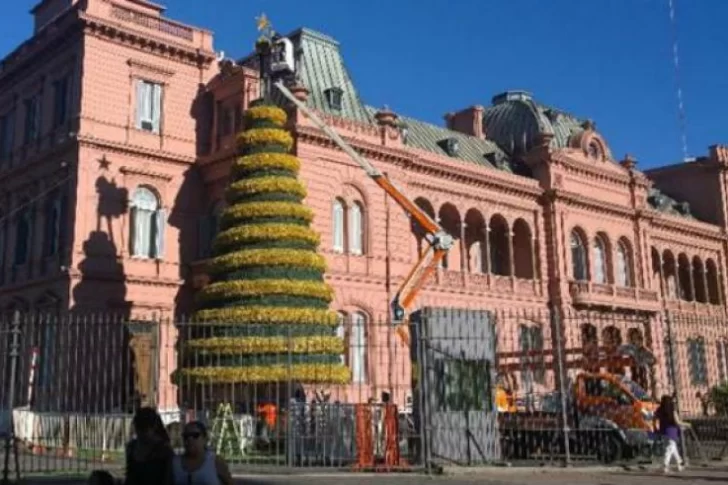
265, 28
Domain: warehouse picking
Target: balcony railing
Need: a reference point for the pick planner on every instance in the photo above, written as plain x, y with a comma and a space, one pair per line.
489, 282
153, 23
695, 307
600, 294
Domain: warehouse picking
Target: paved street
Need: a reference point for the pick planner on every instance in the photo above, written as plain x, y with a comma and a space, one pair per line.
490, 476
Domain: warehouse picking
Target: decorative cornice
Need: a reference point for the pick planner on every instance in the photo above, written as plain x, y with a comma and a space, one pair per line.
119, 147
683, 225
144, 41
434, 187
580, 200
88, 276
484, 177
126, 170
145, 66
601, 172
151, 281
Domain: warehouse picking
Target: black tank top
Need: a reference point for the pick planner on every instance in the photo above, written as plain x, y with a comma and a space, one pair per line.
154, 469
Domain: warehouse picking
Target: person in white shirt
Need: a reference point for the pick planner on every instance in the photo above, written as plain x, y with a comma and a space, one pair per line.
197, 465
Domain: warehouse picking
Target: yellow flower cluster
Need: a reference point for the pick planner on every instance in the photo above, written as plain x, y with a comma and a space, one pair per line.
270, 113
333, 374
262, 136
241, 288
262, 161
266, 232
249, 210
269, 345
298, 258
260, 185
269, 315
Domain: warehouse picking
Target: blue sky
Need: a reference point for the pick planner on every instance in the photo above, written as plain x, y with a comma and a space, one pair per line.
608, 60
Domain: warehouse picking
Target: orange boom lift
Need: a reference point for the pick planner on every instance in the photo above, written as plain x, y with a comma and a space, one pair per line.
439, 240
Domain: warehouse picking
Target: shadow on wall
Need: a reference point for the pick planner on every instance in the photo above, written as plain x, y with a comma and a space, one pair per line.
189, 205
202, 111
99, 357
185, 217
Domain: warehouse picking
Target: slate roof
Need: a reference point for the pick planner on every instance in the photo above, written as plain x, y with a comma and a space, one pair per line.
512, 123
428, 137
515, 120
321, 67
666, 204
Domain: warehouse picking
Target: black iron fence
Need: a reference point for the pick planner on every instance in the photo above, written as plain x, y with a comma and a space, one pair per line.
454, 387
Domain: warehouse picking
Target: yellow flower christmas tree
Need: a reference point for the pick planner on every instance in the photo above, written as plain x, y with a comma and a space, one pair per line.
266, 310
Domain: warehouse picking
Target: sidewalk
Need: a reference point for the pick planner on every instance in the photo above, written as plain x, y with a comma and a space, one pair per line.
471, 476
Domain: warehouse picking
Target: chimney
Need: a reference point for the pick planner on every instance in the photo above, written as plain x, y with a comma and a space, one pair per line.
468, 121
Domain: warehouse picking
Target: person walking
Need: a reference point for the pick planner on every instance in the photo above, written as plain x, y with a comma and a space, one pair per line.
198, 465
149, 455
669, 425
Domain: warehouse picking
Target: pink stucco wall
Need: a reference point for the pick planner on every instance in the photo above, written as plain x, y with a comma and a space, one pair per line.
108, 158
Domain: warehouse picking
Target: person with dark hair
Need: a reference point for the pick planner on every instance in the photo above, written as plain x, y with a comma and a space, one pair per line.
198, 465
149, 455
100, 477
670, 423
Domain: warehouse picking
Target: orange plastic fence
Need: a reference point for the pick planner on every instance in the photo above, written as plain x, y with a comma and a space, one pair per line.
391, 436
364, 438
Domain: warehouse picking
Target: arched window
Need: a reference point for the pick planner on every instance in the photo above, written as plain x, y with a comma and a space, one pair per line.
23, 230
624, 265
337, 226
600, 261
358, 347
356, 229
578, 257
147, 225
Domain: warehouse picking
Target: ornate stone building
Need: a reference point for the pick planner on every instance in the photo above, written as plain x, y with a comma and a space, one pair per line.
117, 131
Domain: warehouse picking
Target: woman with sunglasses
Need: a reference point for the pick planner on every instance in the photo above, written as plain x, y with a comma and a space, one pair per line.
198, 465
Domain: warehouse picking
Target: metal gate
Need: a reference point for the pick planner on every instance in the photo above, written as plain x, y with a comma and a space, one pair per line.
454, 353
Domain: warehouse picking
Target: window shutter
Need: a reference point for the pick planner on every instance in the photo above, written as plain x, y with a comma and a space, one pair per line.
63, 225
358, 338
160, 228
3, 237
338, 226
140, 109
36, 118
133, 233
355, 230
156, 107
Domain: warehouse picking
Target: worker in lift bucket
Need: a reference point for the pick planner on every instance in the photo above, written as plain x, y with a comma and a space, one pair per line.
505, 393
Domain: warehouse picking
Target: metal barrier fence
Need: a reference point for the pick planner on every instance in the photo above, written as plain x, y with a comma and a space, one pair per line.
517, 386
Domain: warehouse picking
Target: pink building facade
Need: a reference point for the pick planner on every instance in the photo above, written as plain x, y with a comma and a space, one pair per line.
117, 134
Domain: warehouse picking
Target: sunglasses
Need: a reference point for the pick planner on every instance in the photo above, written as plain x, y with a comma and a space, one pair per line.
192, 436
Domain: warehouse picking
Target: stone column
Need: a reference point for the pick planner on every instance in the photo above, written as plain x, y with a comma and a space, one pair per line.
464, 259
534, 258
486, 249
511, 252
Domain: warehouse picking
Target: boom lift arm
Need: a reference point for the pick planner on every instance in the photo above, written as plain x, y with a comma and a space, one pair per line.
439, 241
